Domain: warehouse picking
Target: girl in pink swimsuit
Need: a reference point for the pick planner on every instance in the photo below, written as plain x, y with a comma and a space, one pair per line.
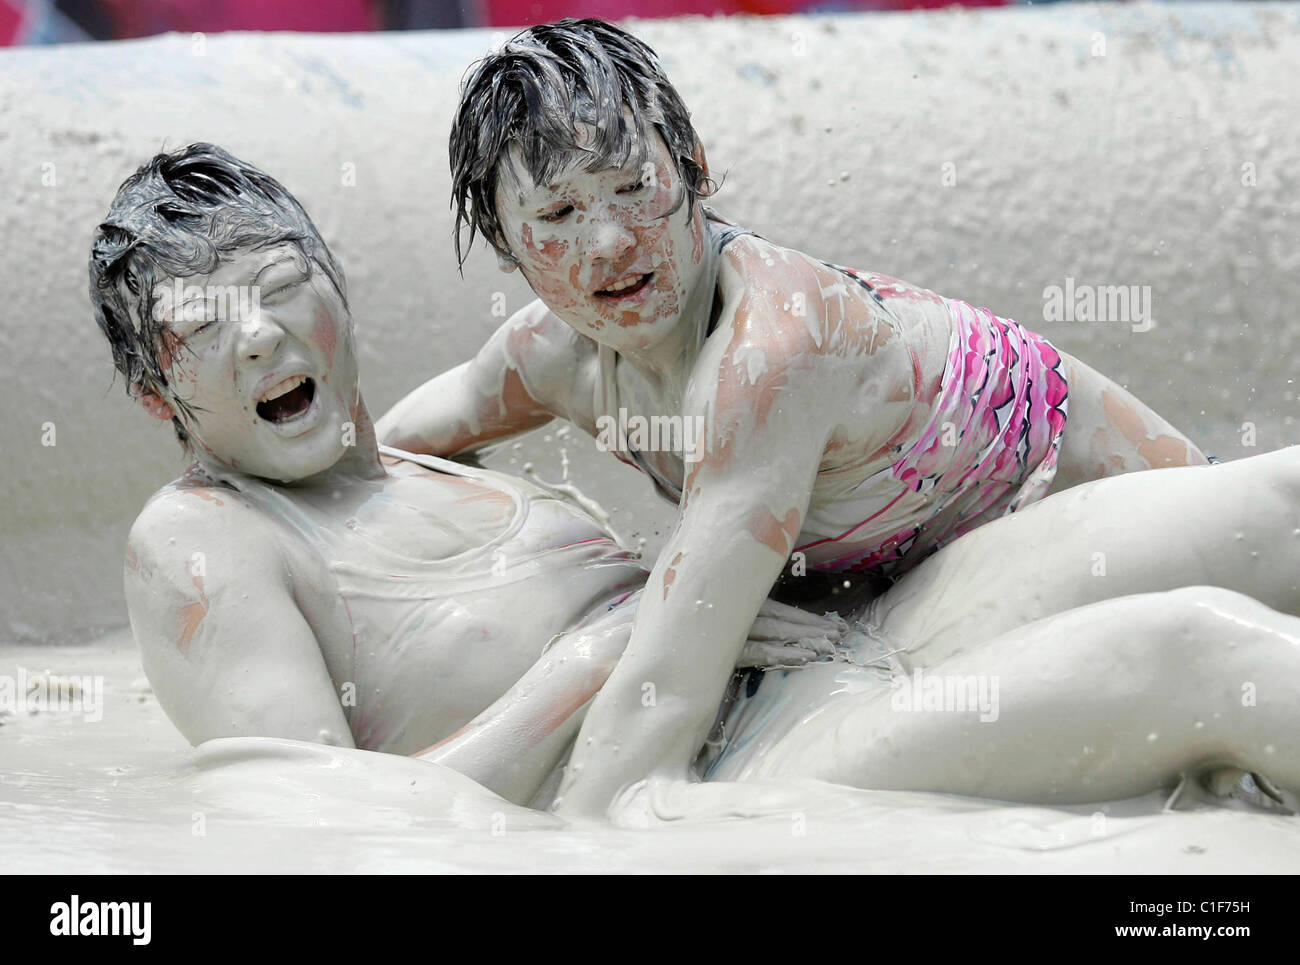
851, 422
988, 447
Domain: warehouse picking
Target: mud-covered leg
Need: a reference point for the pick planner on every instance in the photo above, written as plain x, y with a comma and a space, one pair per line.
1104, 702
1235, 526
1109, 432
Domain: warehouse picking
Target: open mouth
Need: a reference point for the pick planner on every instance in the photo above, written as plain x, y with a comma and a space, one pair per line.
288, 399
626, 289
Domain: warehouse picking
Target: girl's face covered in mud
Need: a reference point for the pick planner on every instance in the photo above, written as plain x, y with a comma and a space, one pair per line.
613, 252
261, 349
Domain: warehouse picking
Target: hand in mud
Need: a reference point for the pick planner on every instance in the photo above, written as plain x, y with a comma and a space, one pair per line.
784, 636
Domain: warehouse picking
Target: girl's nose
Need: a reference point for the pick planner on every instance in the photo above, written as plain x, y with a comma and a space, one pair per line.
260, 336
610, 240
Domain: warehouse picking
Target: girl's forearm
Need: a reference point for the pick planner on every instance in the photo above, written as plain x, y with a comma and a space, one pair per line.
514, 745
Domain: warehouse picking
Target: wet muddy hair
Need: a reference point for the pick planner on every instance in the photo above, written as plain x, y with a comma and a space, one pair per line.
174, 218
531, 91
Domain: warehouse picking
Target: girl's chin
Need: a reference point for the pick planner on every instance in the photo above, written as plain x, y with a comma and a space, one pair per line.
284, 467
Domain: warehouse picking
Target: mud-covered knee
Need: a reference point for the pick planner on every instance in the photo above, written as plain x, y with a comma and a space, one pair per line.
1281, 471
1209, 614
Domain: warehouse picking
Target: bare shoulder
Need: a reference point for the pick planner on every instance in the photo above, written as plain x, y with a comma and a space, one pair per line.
188, 523
795, 307
764, 350
537, 340
215, 600
555, 362
803, 331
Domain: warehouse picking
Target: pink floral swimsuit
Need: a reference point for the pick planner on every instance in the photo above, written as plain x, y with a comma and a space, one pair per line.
988, 448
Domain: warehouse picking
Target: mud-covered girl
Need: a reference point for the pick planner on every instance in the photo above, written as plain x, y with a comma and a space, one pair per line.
850, 421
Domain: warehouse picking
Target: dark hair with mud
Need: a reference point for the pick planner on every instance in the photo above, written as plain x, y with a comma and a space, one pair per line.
532, 91
174, 218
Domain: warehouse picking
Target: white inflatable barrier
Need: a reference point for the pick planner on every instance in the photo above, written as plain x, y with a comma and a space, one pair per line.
1122, 178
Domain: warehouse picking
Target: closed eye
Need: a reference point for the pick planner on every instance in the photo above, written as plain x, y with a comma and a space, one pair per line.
645, 179
284, 288
195, 311
198, 331
559, 214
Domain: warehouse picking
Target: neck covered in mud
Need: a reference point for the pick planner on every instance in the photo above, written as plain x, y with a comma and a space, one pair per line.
672, 358
358, 456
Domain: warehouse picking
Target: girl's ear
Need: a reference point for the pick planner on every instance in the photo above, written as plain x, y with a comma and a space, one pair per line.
506, 263
701, 158
154, 404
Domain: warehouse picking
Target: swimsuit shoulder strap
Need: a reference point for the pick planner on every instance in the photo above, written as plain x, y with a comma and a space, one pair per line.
436, 463
519, 490
666, 488
606, 388
728, 234
729, 229
605, 402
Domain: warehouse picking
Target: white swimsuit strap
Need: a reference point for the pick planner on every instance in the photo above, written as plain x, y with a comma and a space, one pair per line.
437, 463
606, 400
501, 482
